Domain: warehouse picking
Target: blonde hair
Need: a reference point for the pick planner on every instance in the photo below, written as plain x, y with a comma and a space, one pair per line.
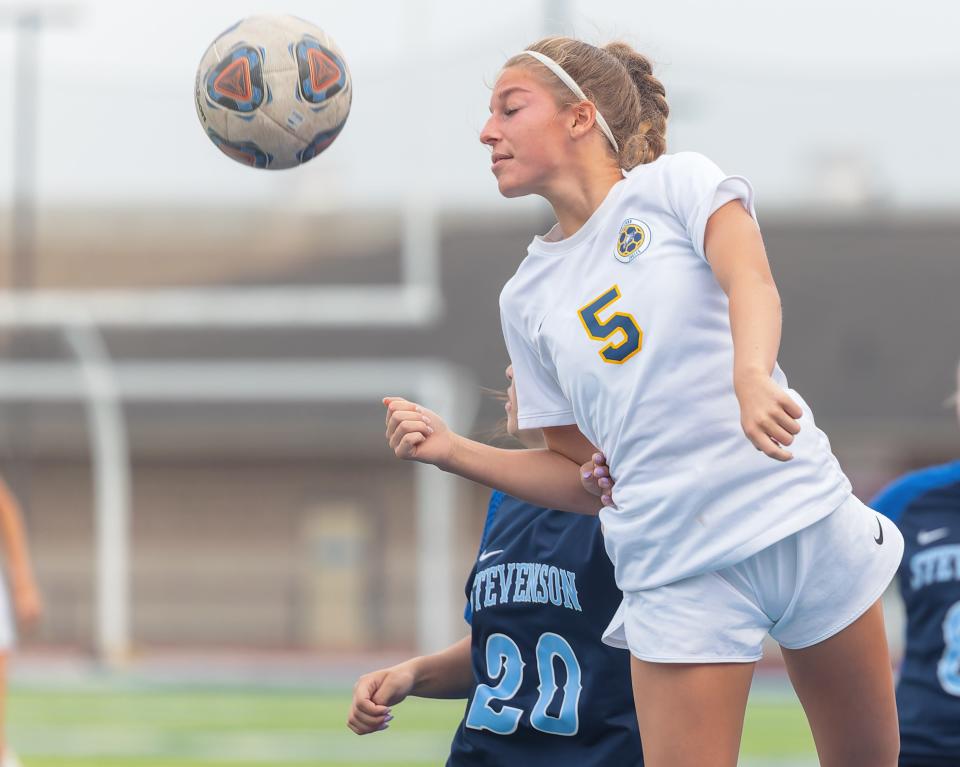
620, 83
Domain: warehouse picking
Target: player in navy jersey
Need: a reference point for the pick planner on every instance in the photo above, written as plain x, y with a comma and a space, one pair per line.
925, 505
541, 687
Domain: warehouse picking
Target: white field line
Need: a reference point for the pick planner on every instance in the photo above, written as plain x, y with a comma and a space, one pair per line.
250, 746
235, 747
315, 747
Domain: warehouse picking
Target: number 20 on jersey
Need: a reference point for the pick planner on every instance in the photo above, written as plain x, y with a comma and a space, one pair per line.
624, 337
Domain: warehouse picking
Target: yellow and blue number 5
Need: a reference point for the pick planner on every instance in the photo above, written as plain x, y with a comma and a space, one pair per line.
632, 342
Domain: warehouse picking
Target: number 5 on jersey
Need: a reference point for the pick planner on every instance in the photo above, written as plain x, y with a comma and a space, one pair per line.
631, 337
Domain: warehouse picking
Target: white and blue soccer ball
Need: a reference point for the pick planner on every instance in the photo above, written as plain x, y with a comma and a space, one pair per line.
273, 91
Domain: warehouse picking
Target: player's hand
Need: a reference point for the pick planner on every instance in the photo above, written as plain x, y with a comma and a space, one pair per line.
374, 694
417, 434
767, 414
595, 478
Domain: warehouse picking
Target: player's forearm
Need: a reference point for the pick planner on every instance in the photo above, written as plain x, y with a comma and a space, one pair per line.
541, 477
734, 248
755, 322
444, 674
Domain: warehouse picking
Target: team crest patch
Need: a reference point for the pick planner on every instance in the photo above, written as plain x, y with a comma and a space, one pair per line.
633, 240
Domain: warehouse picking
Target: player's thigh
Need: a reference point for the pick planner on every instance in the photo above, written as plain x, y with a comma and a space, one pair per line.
845, 684
690, 714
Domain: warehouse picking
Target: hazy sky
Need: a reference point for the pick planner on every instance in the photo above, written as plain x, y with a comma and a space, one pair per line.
815, 101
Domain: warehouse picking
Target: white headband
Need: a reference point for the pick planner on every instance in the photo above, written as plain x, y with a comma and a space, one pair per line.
560, 72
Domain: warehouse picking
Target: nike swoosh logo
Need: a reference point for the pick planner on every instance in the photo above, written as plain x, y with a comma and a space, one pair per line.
926, 537
488, 554
879, 541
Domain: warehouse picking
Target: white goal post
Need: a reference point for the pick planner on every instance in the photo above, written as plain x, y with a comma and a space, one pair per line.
104, 388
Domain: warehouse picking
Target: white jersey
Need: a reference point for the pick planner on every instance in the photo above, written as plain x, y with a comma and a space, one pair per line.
623, 330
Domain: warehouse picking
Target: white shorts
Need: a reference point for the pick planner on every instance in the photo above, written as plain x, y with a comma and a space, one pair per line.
801, 590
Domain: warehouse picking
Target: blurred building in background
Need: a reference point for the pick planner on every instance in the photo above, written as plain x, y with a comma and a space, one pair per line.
243, 512
284, 522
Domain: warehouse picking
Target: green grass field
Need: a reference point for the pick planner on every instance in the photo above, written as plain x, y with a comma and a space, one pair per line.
160, 726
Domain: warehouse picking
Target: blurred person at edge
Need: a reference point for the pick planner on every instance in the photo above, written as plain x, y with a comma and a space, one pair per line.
538, 596
26, 599
925, 505
646, 323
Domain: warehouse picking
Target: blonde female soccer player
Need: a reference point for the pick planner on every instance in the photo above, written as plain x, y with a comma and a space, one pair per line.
647, 323
26, 598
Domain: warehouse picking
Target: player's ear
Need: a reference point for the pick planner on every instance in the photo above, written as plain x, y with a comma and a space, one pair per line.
583, 118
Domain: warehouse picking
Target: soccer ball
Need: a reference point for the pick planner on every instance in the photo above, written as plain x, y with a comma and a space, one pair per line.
273, 91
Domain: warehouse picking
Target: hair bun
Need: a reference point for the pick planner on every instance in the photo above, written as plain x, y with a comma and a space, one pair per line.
650, 139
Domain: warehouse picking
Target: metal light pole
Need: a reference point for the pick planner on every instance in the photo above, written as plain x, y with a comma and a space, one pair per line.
27, 33
26, 26
28, 22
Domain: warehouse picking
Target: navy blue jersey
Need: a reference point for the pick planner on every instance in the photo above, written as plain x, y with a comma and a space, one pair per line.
925, 505
548, 691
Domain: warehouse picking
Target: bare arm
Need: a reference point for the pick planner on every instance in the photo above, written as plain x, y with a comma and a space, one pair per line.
569, 441
26, 597
541, 477
445, 674
735, 251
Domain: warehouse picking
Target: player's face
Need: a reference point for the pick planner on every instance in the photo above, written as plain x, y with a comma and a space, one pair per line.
532, 438
956, 395
526, 139
510, 405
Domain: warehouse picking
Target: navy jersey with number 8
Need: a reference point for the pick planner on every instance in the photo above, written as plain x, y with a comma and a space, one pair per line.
926, 507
